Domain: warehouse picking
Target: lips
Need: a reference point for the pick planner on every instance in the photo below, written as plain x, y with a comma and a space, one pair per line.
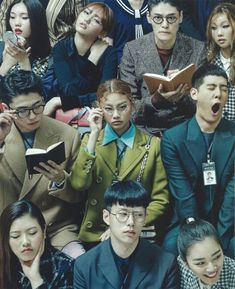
18, 31
26, 250
211, 275
83, 25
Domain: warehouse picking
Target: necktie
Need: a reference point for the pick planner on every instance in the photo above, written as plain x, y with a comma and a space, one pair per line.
121, 147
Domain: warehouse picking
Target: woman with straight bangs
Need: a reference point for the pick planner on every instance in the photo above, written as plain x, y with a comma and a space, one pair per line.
201, 260
117, 152
27, 261
221, 48
84, 59
27, 19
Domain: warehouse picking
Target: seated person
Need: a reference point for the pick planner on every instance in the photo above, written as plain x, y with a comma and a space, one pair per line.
32, 53
203, 144
83, 60
130, 22
163, 51
27, 260
118, 152
221, 48
125, 260
201, 258
22, 126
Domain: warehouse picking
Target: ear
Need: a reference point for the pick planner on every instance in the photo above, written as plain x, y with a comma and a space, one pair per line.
181, 16
45, 232
3, 106
106, 216
148, 18
193, 93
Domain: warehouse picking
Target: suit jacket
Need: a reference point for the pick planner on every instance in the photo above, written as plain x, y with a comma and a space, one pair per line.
57, 205
94, 173
152, 268
183, 151
141, 56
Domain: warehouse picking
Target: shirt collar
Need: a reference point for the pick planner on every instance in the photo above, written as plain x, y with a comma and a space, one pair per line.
127, 137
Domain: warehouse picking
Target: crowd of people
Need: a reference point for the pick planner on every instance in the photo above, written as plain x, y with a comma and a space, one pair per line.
146, 198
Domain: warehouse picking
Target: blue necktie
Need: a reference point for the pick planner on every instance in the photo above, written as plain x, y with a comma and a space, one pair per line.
121, 147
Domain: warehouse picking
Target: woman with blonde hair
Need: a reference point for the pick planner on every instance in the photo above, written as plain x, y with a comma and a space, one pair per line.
221, 48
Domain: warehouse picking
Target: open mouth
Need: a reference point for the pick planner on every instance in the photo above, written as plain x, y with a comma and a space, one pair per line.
215, 107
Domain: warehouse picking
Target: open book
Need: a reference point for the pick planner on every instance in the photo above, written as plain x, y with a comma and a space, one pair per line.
169, 84
34, 156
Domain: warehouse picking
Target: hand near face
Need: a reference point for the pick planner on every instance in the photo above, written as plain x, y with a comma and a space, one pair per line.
6, 120
52, 171
95, 119
31, 269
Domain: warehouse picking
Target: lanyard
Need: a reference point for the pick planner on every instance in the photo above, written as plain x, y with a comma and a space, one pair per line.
209, 153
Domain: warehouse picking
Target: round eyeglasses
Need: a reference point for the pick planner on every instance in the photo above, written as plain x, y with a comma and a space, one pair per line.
170, 19
120, 109
25, 112
122, 217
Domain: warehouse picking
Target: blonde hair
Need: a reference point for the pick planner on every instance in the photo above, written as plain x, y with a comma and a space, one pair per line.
213, 49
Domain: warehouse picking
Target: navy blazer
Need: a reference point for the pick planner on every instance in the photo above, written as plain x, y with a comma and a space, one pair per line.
153, 268
183, 151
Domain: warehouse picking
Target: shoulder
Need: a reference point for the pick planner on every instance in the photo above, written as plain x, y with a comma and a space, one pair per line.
143, 40
64, 44
227, 125
147, 137
177, 132
57, 126
227, 276
189, 41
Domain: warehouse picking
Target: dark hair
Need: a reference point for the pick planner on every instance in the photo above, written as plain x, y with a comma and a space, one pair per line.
213, 49
175, 3
114, 86
205, 70
108, 16
39, 38
19, 82
194, 232
9, 263
129, 193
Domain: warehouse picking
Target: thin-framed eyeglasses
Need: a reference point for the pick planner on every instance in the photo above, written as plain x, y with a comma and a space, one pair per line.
25, 112
120, 109
170, 19
123, 216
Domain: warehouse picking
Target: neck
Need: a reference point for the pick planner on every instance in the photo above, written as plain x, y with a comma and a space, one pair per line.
123, 250
206, 126
82, 43
165, 44
226, 52
136, 4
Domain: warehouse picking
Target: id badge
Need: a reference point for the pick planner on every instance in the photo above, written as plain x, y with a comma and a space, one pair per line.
209, 175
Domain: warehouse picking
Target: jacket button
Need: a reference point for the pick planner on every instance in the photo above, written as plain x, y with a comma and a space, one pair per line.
93, 202
89, 224
99, 179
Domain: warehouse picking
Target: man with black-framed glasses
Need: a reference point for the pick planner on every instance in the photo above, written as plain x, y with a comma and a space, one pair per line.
125, 261
23, 126
163, 51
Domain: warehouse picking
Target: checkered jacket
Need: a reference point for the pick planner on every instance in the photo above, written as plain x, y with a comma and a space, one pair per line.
56, 269
229, 109
226, 281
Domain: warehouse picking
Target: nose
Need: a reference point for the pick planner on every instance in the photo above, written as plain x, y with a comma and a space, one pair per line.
130, 220
165, 23
211, 268
220, 31
32, 115
218, 92
25, 240
116, 113
17, 21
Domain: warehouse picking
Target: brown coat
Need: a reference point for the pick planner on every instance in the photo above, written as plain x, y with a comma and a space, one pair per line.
58, 206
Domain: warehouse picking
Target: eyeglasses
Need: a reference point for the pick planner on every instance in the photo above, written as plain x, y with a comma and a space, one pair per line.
170, 19
120, 109
123, 216
25, 112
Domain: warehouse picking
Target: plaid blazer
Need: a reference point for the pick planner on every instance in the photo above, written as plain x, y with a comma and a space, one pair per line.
226, 281
229, 109
56, 269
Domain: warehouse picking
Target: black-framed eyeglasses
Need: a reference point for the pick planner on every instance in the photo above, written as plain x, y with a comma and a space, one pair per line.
123, 216
170, 19
25, 112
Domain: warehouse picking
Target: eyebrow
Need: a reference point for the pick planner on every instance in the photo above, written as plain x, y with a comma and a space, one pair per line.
90, 10
171, 14
20, 107
200, 259
124, 102
34, 227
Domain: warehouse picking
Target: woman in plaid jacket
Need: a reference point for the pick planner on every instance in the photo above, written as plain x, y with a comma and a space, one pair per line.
27, 261
201, 259
221, 48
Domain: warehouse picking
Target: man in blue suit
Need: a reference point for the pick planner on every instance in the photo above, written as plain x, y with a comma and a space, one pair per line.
125, 260
197, 148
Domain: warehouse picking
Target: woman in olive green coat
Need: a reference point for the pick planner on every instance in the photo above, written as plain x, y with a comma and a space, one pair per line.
118, 152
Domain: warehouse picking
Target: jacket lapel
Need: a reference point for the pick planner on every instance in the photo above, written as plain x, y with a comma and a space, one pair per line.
44, 137
15, 153
195, 144
107, 262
